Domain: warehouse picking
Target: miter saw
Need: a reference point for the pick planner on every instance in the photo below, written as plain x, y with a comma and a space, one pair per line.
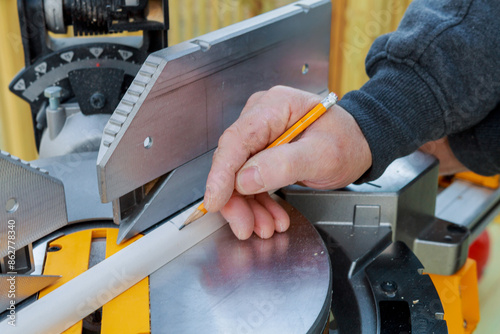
354, 260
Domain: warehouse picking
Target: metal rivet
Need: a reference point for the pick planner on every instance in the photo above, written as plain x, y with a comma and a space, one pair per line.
148, 142
389, 287
12, 205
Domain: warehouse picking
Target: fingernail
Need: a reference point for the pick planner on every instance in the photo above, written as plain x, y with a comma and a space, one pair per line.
208, 197
250, 180
282, 227
236, 231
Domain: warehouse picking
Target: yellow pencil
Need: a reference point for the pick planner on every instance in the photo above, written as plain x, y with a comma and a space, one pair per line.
286, 137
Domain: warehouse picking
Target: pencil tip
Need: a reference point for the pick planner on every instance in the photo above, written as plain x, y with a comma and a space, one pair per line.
197, 214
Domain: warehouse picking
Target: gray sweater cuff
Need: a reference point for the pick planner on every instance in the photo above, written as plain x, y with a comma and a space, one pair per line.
396, 112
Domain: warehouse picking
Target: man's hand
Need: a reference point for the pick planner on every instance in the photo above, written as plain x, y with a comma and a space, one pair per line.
448, 162
331, 153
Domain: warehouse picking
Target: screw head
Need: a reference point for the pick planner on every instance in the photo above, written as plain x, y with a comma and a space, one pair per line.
55, 248
97, 100
53, 92
389, 288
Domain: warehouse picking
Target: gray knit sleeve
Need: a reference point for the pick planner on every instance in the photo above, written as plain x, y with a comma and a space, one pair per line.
438, 74
478, 148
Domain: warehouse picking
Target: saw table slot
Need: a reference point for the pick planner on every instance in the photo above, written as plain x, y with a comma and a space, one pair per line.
97, 248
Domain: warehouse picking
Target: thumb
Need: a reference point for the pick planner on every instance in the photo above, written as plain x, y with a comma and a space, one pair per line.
275, 168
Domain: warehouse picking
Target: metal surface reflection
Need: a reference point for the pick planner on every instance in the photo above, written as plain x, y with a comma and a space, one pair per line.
223, 285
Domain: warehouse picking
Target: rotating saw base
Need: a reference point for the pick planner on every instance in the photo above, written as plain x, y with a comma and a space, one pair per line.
221, 285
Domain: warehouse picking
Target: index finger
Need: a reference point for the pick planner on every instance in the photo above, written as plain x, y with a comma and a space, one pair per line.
263, 119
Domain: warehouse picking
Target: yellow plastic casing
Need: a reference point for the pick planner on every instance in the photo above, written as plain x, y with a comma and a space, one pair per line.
126, 314
459, 295
492, 182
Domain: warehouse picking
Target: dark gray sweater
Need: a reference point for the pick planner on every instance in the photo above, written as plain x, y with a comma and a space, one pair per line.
437, 75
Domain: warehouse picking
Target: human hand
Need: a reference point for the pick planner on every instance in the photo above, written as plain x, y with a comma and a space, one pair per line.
448, 162
331, 153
